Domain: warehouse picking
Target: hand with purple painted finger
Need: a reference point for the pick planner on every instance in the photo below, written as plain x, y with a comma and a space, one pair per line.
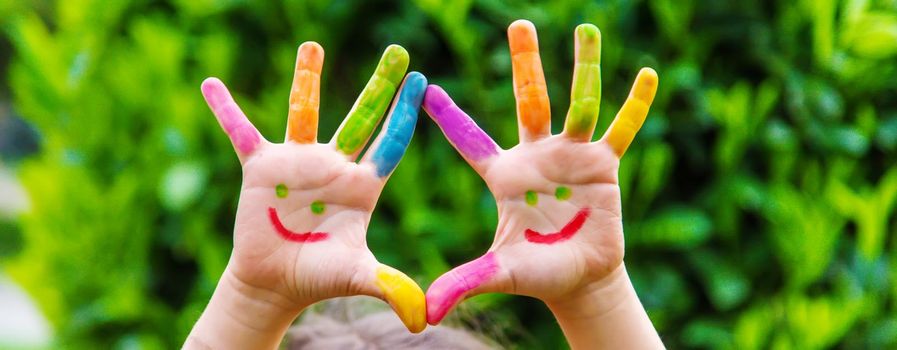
304, 209
560, 231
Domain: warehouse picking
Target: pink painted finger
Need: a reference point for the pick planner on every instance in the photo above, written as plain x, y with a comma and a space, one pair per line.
244, 136
449, 289
461, 131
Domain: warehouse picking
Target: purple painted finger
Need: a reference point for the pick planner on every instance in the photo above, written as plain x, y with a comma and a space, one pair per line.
471, 141
242, 133
450, 288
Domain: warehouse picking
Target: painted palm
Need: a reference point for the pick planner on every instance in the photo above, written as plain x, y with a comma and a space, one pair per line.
305, 206
560, 219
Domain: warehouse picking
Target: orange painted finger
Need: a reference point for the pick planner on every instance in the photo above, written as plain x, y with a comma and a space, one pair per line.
305, 94
631, 116
533, 108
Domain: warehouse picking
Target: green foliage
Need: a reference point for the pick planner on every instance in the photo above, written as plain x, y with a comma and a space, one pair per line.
759, 197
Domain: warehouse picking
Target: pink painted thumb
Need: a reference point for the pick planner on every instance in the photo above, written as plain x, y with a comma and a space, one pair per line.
450, 288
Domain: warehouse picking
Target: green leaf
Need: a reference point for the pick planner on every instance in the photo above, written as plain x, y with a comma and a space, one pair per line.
672, 228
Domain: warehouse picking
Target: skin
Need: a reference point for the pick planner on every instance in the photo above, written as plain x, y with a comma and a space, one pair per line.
562, 192
304, 209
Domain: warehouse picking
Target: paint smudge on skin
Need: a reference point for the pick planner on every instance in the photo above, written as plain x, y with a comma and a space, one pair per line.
459, 129
449, 289
562, 193
291, 236
373, 101
318, 207
281, 191
567, 232
401, 125
532, 198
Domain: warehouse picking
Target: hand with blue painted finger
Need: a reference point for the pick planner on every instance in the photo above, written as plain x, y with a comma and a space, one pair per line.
560, 230
304, 209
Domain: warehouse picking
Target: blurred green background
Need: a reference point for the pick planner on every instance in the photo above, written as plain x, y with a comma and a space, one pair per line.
759, 197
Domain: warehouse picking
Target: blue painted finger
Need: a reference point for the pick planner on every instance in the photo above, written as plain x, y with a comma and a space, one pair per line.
396, 135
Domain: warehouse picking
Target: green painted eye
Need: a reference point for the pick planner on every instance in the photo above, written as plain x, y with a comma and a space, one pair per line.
562, 193
318, 207
281, 191
532, 198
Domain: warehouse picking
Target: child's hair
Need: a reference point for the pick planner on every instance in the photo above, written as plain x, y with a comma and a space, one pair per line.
355, 324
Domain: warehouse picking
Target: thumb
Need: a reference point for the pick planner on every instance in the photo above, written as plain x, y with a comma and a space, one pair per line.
475, 277
403, 295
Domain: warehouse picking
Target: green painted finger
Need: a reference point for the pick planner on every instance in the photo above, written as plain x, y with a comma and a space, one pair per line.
585, 97
373, 101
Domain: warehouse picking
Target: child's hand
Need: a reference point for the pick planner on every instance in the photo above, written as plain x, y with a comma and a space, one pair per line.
304, 206
560, 224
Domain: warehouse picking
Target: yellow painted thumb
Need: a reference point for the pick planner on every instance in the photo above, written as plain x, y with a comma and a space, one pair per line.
405, 297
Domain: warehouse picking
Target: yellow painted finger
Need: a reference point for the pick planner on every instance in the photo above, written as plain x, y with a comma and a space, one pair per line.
305, 94
533, 108
405, 297
631, 116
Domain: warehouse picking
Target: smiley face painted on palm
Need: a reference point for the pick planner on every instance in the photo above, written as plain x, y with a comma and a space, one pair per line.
562, 193
317, 207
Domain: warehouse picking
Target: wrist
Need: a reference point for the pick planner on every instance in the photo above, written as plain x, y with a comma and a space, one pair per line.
606, 314
243, 316
595, 298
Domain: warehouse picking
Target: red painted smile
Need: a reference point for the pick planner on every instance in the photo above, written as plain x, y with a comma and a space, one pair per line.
286, 234
570, 229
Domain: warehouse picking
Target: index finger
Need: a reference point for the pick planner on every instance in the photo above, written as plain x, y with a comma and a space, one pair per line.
461, 131
386, 151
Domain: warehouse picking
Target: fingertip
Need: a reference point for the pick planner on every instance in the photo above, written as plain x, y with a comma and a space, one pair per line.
646, 84
394, 63
418, 324
311, 47
415, 87
435, 89
396, 54
311, 56
416, 80
434, 320
649, 75
588, 32
210, 84
521, 26
436, 99
522, 37
214, 91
